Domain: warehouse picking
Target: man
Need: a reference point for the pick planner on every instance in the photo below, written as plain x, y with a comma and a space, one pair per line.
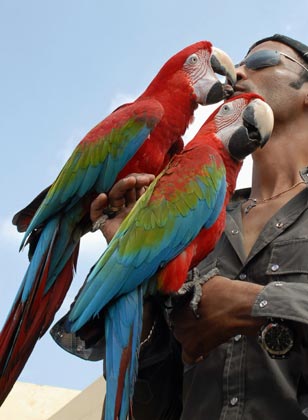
246, 357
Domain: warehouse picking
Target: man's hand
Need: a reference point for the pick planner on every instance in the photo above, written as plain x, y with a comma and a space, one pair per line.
224, 310
123, 196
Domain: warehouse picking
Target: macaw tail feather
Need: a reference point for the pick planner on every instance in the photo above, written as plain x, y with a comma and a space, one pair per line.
123, 324
36, 303
23, 218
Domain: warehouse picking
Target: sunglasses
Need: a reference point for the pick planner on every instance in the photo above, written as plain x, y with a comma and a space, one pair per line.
266, 58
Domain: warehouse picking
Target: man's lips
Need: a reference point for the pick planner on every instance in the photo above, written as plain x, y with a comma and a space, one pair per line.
238, 88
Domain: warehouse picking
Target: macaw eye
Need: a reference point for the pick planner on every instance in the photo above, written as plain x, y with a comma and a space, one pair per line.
225, 109
192, 59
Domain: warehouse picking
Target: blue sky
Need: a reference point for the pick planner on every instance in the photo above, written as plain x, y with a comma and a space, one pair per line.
65, 64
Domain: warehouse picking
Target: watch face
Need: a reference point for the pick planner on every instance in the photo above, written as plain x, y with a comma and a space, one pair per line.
277, 339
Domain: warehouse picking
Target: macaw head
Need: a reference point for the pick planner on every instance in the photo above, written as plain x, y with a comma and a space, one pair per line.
196, 67
201, 66
242, 123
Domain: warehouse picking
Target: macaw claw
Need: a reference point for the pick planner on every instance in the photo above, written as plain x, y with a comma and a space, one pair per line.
195, 285
191, 291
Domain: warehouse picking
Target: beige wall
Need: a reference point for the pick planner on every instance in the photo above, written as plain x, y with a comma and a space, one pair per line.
39, 402
85, 406
35, 402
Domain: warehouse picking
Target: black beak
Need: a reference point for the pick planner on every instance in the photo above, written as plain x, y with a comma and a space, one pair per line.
258, 122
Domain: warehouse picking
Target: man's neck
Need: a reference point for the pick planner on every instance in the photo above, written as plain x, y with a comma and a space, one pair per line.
276, 167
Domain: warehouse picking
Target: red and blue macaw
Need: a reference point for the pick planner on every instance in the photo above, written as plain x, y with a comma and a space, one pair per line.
138, 137
171, 228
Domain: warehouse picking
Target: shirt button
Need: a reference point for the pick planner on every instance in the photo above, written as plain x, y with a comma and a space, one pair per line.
263, 303
279, 224
237, 337
234, 401
242, 276
275, 267
234, 231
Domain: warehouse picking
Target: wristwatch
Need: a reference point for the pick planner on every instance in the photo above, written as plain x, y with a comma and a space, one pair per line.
277, 338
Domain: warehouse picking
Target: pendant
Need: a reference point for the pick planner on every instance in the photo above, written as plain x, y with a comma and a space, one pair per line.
251, 205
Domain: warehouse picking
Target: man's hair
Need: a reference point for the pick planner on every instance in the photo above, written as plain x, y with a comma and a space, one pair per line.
300, 48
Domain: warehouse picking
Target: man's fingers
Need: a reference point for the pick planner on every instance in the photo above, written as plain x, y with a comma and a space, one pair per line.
97, 206
143, 180
126, 191
108, 211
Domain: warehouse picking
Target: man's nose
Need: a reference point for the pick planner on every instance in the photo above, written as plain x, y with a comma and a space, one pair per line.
240, 73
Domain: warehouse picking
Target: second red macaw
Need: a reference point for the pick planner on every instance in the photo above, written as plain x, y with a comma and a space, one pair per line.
172, 227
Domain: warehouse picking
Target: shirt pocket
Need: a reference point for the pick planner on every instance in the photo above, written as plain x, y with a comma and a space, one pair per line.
289, 258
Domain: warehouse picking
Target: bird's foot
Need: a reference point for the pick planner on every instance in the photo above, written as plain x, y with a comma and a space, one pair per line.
192, 288
190, 293
99, 223
108, 213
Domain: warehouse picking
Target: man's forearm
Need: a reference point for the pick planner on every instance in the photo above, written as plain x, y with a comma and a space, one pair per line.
225, 310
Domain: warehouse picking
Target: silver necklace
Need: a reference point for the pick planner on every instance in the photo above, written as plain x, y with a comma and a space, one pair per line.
254, 201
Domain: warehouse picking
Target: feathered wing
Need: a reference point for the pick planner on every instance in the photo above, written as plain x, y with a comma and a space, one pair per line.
163, 222
97, 160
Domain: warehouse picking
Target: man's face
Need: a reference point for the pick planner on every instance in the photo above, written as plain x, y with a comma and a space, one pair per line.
272, 82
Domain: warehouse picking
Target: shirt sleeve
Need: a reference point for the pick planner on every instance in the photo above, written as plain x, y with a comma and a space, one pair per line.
75, 345
283, 300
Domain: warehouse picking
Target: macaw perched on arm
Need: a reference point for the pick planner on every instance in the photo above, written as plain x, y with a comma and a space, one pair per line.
138, 137
171, 228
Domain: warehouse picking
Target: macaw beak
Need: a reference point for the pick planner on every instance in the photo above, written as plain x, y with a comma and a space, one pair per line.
220, 63
258, 123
